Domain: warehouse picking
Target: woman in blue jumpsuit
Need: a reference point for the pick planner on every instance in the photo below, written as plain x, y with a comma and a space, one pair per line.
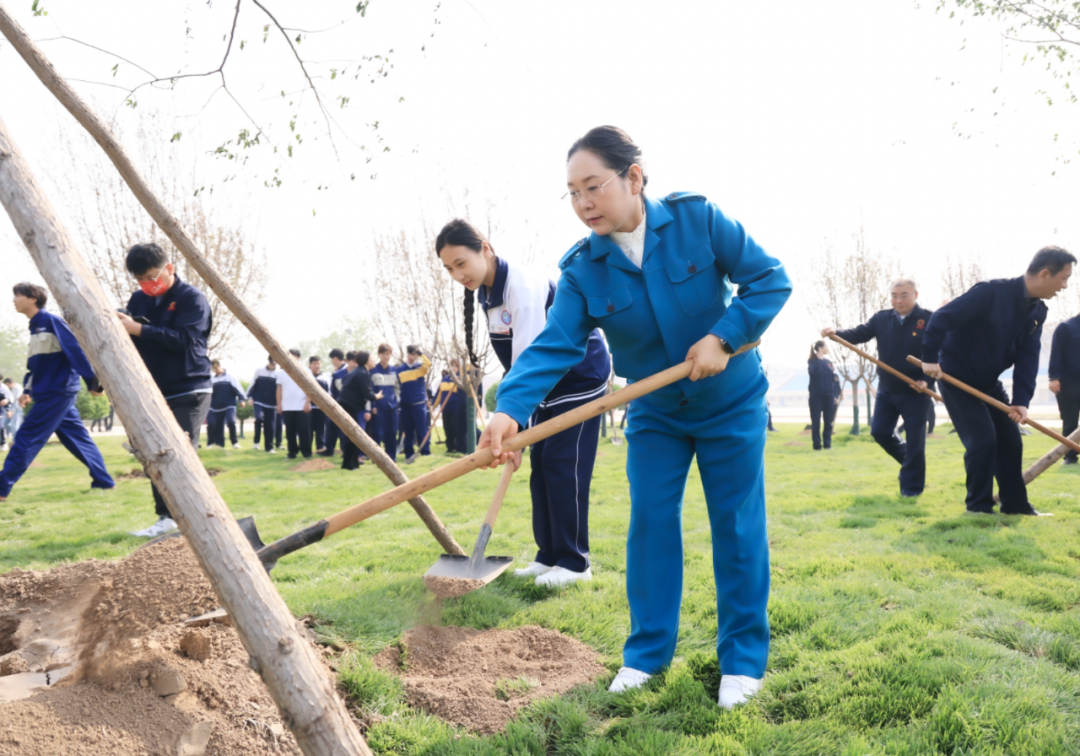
515, 304
658, 276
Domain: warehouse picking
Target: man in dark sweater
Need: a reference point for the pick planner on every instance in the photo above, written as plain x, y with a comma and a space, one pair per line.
993, 326
169, 322
356, 395
899, 332
1065, 376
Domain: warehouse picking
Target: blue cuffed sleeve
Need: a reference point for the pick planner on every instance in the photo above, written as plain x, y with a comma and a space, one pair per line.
561, 345
860, 334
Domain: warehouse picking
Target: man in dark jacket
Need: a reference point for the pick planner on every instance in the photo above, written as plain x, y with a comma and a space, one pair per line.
356, 396
995, 325
169, 322
899, 332
1065, 376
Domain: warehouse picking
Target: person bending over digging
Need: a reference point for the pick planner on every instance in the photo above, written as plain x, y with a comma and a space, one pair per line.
55, 361
657, 275
515, 303
169, 322
976, 337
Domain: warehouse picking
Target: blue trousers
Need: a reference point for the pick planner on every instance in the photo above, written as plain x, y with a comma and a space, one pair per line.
216, 421
53, 413
993, 448
910, 454
384, 429
727, 434
414, 422
562, 468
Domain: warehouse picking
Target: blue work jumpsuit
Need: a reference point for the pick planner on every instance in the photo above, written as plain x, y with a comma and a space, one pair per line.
693, 258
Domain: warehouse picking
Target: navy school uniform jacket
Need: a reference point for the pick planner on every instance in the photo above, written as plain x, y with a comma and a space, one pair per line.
822, 378
336, 379
263, 388
986, 330
226, 391
449, 393
173, 345
55, 360
411, 379
896, 339
516, 306
1065, 355
324, 384
386, 381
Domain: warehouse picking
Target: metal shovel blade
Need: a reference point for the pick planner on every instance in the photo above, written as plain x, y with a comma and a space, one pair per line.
452, 576
247, 527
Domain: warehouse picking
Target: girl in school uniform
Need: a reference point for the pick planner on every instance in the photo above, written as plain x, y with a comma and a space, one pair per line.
658, 276
514, 302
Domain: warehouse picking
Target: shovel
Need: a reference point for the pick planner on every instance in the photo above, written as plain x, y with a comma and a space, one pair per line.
468, 573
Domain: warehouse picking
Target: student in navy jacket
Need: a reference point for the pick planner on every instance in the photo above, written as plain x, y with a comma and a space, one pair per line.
824, 396
447, 401
659, 276
226, 391
414, 402
262, 391
333, 433
54, 361
976, 337
1065, 376
515, 303
169, 322
899, 332
318, 417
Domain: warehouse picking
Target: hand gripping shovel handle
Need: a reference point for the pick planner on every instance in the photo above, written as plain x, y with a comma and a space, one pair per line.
359, 512
1003, 407
492, 514
885, 367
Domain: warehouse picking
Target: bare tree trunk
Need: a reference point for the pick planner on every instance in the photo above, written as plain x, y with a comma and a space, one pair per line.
183, 241
1047, 461
300, 687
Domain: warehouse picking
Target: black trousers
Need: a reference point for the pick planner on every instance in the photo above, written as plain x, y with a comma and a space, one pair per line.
994, 449
822, 408
190, 411
298, 432
350, 452
267, 418
1068, 401
449, 425
318, 427
910, 454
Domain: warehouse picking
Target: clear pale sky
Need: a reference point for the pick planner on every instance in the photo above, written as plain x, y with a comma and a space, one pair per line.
801, 120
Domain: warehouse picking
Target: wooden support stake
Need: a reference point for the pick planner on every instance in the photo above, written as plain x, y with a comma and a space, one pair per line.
299, 685
209, 273
1046, 461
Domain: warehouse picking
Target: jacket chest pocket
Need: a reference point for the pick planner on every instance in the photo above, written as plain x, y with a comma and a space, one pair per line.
696, 280
608, 304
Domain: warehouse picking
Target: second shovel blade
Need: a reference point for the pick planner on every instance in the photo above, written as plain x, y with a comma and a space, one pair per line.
454, 576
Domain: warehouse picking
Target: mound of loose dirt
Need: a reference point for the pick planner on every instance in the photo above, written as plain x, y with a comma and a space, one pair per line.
480, 679
313, 465
92, 663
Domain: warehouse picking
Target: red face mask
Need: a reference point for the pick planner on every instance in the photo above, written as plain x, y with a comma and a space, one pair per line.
154, 287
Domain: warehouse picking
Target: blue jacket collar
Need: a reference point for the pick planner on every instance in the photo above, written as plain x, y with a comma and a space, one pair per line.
656, 216
493, 296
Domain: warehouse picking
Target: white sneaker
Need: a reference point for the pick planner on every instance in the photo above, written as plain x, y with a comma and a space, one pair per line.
236, 446
255, 447
272, 450
533, 570
560, 576
628, 679
737, 689
161, 527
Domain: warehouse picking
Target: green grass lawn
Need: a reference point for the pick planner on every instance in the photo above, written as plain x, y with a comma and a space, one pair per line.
899, 627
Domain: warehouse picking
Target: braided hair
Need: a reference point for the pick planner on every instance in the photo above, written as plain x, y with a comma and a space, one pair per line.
461, 233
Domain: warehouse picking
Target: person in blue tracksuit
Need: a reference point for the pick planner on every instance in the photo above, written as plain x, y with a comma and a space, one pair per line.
169, 322
413, 402
226, 391
899, 332
262, 391
1065, 377
446, 403
658, 277
318, 417
385, 413
55, 361
976, 337
823, 395
331, 432
515, 302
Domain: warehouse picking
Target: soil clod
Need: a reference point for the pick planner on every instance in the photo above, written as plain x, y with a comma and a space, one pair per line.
447, 587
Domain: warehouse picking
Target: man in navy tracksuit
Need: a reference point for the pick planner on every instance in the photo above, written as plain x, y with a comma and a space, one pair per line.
262, 391
1065, 377
226, 391
341, 369
55, 361
385, 416
899, 332
995, 325
169, 322
414, 411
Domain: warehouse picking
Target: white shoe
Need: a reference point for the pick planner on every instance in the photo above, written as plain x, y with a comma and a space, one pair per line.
737, 689
255, 447
272, 450
236, 446
533, 570
560, 576
161, 527
628, 679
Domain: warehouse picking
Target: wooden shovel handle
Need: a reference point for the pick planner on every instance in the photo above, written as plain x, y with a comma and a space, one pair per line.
527, 437
500, 493
1003, 407
885, 367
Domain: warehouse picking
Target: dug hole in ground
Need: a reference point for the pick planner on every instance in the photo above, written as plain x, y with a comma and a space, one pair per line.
96, 660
